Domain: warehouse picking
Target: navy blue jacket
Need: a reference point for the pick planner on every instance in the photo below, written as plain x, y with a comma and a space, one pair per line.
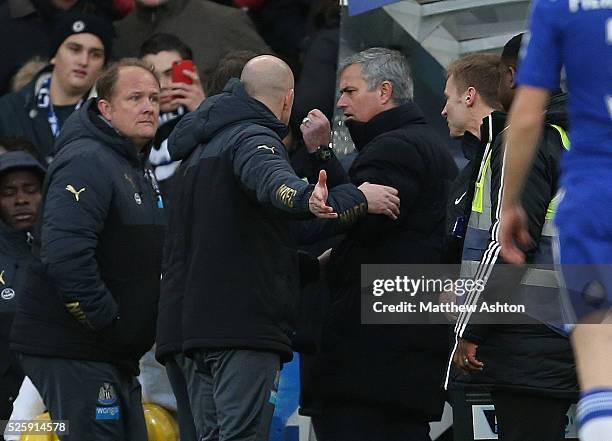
231, 266
93, 288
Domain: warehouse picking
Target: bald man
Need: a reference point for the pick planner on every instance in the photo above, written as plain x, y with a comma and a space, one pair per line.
231, 269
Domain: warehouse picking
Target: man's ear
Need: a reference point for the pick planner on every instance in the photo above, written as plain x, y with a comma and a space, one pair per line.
288, 101
104, 107
512, 73
385, 92
470, 96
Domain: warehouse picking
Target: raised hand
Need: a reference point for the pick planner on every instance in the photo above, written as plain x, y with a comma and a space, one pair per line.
316, 130
188, 95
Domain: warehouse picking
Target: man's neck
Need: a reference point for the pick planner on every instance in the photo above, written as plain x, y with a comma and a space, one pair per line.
60, 97
478, 114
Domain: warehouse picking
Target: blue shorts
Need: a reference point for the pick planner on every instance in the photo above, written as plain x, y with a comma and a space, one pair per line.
584, 223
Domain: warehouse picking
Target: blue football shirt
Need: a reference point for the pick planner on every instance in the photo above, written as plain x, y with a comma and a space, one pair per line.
577, 35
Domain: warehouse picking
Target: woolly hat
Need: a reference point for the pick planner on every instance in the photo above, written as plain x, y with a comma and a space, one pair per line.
73, 23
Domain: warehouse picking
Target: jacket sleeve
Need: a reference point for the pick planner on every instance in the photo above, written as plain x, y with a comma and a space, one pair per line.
379, 164
77, 202
260, 163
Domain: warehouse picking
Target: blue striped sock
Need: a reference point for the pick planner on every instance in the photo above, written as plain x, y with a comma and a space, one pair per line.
594, 415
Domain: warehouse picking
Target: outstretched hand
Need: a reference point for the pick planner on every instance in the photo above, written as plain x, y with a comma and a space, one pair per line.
318, 200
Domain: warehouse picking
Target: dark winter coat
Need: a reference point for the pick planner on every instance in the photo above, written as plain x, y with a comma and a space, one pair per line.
231, 266
15, 257
529, 358
398, 368
93, 288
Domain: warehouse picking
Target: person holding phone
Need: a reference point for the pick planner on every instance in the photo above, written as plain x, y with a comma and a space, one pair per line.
181, 92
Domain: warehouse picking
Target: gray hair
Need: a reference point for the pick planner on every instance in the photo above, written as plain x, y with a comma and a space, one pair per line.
380, 64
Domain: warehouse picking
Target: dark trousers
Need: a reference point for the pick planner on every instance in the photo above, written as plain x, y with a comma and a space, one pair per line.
523, 417
177, 368
99, 401
353, 423
233, 394
10, 382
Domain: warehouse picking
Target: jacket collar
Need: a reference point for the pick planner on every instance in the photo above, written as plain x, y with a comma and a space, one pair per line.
153, 14
20, 8
405, 114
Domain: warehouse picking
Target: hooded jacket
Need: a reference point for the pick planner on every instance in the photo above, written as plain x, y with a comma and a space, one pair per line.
231, 266
398, 368
93, 288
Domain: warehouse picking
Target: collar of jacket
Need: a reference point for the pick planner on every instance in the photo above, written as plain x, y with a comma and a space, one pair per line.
13, 242
364, 132
155, 13
232, 106
20, 8
31, 89
492, 125
89, 124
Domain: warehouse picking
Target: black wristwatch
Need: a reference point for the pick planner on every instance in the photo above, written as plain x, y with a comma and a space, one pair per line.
323, 153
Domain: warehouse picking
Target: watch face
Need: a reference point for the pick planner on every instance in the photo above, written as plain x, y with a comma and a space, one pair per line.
324, 153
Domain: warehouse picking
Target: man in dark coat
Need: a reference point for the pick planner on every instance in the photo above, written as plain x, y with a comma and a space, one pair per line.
231, 266
382, 382
81, 46
89, 308
21, 179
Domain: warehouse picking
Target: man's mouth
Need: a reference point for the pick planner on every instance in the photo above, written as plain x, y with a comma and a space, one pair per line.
80, 73
22, 217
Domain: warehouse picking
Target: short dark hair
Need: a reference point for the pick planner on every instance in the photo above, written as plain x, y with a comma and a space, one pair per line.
105, 86
230, 66
511, 51
480, 71
165, 42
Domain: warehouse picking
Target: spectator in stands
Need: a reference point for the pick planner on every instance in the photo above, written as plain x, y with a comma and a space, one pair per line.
230, 66
25, 27
82, 44
210, 29
378, 383
89, 308
161, 51
21, 178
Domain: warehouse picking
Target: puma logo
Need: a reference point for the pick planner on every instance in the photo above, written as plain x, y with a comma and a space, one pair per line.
72, 190
2, 278
265, 147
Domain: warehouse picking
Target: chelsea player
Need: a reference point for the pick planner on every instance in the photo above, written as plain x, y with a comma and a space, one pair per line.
575, 35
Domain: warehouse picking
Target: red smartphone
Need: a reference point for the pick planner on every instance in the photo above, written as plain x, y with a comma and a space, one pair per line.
177, 71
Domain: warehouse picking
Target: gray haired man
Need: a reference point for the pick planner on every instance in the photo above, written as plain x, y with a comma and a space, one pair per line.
382, 382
